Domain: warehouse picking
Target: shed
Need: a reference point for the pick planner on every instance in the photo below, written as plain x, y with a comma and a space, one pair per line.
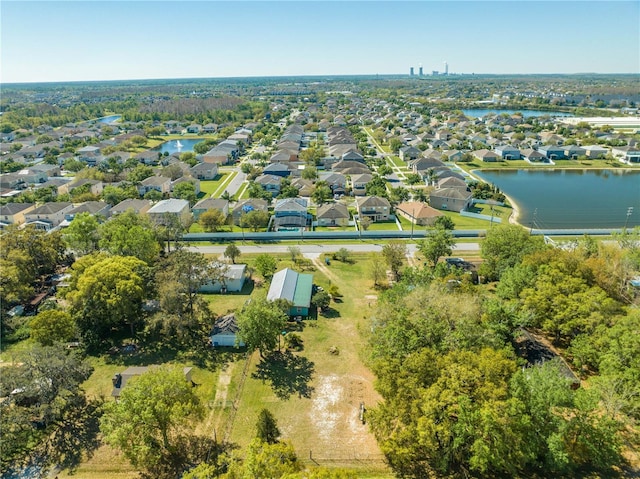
224, 333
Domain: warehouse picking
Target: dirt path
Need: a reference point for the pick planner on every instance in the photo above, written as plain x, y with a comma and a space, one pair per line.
326, 271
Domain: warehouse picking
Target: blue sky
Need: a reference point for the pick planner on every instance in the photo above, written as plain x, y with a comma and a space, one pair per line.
94, 40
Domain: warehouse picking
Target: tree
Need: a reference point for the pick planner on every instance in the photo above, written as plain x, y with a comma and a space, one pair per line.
321, 193
232, 252
48, 414
384, 170
260, 323
108, 295
266, 461
82, 235
212, 220
310, 173
504, 247
395, 144
52, 326
365, 222
151, 422
266, 265
130, 234
139, 173
445, 222
267, 427
185, 191
394, 253
378, 270
343, 255
321, 300
439, 242
295, 253
254, 220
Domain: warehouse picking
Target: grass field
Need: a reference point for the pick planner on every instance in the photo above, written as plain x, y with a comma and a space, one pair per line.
559, 164
383, 226
208, 187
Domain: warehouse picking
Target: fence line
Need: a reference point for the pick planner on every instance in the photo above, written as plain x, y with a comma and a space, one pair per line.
495, 219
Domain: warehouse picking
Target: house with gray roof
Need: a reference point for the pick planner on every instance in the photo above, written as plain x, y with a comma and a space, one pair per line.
333, 214
162, 184
508, 152
49, 215
246, 206
232, 280
94, 208
205, 171
290, 214
139, 207
376, 208
531, 155
208, 204
294, 287
450, 199
13, 213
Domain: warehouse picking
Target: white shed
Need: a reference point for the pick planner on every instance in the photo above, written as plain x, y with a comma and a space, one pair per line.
224, 332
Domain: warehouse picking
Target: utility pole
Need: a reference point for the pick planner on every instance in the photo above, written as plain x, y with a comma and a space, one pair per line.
629, 213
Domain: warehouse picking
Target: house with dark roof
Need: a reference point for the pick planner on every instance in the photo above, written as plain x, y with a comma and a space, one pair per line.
290, 214
333, 214
294, 287
407, 153
225, 332
552, 152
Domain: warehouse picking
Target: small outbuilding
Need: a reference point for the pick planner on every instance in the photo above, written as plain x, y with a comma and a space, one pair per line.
225, 332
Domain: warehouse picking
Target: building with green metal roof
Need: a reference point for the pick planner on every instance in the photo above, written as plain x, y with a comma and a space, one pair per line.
294, 287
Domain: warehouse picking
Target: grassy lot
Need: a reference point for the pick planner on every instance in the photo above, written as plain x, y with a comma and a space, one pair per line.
223, 185
396, 161
559, 164
208, 187
334, 228
383, 226
315, 395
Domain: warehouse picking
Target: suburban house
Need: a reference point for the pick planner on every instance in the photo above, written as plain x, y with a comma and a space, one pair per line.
210, 204
223, 153
336, 181
205, 171
233, 280
552, 152
246, 206
359, 184
418, 213
487, 155
94, 208
595, 151
304, 187
13, 213
172, 207
423, 164
194, 129
161, 184
187, 179
627, 154
225, 332
573, 152
48, 216
333, 214
450, 199
120, 380
507, 152
452, 182
532, 155
280, 156
92, 186
375, 208
290, 213
270, 183
294, 287
210, 128
277, 169
352, 155
137, 206
407, 153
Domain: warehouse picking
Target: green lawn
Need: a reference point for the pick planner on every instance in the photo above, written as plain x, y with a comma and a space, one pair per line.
313, 394
208, 187
383, 226
396, 161
559, 164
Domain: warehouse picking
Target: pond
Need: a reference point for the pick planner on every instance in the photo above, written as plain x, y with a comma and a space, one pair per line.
181, 146
478, 112
109, 119
572, 199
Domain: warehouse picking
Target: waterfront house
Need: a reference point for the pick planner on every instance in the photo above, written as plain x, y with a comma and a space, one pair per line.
508, 152
450, 199
418, 213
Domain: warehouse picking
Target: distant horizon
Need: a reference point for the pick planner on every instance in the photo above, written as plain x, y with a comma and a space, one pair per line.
327, 76
58, 41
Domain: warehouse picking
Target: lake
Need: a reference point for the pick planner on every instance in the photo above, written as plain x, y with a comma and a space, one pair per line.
182, 145
558, 199
109, 119
478, 113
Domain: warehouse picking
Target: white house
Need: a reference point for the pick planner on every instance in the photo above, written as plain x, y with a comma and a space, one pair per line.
225, 331
234, 277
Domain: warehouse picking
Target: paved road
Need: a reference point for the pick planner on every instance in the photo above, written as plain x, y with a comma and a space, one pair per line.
235, 184
311, 250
